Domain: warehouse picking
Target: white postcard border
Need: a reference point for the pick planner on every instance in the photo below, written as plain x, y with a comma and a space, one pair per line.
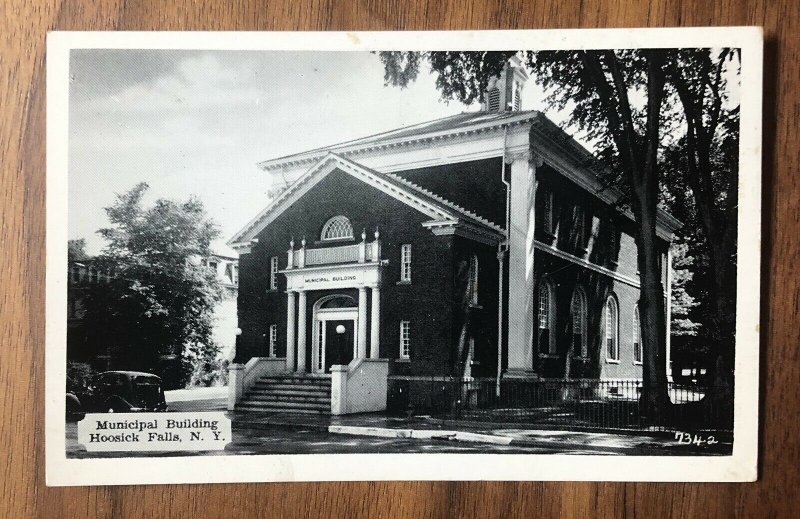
740, 466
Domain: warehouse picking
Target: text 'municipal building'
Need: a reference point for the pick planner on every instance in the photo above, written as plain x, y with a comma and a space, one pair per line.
470, 247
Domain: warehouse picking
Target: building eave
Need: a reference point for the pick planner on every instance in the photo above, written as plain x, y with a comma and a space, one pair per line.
242, 240
583, 169
345, 149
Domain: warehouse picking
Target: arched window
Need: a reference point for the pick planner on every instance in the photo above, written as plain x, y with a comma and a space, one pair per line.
578, 314
611, 328
337, 228
637, 336
547, 317
473, 279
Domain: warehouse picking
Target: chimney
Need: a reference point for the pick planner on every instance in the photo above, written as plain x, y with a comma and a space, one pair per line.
504, 92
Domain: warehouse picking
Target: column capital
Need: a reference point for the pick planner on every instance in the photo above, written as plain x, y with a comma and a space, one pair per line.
529, 156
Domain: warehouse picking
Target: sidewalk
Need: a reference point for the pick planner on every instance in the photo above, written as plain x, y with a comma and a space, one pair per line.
197, 399
427, 428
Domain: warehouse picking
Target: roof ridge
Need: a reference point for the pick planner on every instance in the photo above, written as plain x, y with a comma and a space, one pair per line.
444, 201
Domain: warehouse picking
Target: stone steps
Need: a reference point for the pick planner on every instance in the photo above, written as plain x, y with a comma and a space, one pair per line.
288, 393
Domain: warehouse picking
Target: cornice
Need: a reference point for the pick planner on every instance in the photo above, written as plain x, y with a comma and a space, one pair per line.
424, 139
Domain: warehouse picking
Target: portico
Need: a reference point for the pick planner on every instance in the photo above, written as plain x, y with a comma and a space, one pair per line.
343, 327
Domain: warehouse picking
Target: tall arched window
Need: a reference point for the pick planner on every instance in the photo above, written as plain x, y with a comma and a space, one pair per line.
337, 228
637, 336
611, 327
578, 314
473, 279
547, 317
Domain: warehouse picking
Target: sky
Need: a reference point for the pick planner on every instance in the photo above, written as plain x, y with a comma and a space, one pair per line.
197, 122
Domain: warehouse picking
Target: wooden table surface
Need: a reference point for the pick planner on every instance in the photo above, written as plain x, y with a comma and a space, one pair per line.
22, 257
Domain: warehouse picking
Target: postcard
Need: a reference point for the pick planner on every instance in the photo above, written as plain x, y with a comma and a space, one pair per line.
468, 255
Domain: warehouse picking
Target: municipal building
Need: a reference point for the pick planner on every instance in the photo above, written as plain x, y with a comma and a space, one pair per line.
478, 247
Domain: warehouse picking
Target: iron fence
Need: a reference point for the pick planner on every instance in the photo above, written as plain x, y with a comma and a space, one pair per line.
581, 403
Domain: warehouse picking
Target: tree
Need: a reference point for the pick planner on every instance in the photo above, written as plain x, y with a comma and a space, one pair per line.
706, 160
682, 302
618, 98
155, 313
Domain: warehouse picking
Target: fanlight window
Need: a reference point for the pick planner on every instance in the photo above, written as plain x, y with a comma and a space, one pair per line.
337, 228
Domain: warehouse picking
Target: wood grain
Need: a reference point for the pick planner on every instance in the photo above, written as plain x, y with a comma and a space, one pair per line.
22, 256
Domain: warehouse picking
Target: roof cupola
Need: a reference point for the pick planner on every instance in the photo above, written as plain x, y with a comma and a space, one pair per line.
504, 92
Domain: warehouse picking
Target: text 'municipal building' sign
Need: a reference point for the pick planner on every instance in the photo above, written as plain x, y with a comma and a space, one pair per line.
200, 431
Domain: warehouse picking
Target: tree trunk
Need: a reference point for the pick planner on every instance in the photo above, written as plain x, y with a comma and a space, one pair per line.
639, 158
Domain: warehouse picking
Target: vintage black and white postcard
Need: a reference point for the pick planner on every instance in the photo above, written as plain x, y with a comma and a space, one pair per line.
437, 255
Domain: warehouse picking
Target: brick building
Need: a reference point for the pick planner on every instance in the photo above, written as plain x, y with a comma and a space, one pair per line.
393, 250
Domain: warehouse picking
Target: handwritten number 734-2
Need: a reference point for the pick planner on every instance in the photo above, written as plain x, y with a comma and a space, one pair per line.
685, 438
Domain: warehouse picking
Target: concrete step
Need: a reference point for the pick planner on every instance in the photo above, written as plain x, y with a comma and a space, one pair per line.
285, 406
268, 397
270, 409
317, 381
268, 386
292, 391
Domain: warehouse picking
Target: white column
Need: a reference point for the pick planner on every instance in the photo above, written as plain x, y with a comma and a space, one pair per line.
375, 324
301, 332
362, 323
290, 329
521, 284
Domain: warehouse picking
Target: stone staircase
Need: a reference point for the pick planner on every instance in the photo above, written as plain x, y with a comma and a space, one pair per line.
289, 393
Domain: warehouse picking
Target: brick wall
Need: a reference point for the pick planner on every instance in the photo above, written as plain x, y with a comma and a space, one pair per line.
475, 185
607, 241
427, 301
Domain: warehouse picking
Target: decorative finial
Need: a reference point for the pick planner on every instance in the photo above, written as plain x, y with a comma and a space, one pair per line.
377, 233
291, 243
303, 242
364, 234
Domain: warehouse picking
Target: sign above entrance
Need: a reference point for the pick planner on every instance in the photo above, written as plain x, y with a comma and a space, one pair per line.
333, 277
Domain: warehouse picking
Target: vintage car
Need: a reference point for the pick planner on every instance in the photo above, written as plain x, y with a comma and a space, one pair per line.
123, 392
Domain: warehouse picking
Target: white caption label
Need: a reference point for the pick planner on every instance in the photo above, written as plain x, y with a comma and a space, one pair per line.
200, 431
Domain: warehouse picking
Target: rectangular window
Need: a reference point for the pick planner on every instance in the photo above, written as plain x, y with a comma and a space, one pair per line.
273, 339
637, 338
405, 262
580, 226
549, 222
273, 273
611, 327
405, 339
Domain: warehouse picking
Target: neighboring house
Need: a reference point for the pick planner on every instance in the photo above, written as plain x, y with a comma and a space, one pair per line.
225, 322
84, 275
399, 241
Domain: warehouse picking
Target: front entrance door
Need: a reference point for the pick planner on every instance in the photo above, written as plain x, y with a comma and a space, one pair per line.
338, 347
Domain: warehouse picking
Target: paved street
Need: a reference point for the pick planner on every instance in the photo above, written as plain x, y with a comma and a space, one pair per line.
283, 440
287, 433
